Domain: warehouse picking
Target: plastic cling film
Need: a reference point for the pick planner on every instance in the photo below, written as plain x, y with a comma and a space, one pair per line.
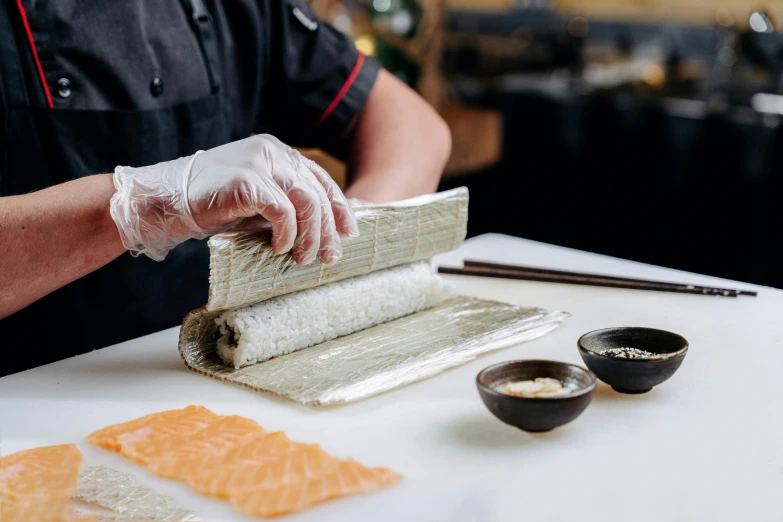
120, 493
245, 270
386, 356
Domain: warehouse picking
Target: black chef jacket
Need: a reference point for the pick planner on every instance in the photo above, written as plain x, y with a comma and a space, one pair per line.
86, 85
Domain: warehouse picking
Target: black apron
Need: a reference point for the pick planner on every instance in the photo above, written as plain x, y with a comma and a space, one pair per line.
129, 297
88, 85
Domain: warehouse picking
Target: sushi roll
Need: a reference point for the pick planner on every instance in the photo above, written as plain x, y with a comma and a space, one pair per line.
295, 321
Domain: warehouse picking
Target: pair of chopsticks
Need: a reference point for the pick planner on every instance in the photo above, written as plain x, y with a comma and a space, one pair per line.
525, 273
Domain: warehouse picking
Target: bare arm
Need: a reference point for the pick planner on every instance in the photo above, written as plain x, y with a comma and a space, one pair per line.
60, 234
53, 237
399, 145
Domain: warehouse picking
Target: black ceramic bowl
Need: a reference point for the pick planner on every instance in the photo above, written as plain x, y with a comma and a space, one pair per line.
536, 414
633, 375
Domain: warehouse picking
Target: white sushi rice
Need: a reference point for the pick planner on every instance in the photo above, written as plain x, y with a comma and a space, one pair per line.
291, 322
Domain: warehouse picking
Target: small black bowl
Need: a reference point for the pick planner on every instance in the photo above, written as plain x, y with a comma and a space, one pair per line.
536, 414
633, 375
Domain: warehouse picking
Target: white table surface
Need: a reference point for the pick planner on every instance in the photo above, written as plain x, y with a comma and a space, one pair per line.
705, 445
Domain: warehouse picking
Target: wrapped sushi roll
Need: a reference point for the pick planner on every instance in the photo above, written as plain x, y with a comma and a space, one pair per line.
295, 321
377, 319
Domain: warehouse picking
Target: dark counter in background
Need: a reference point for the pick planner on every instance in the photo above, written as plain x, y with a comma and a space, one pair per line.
672, 183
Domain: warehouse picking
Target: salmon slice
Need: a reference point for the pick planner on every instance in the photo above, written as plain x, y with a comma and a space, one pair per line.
262, 448
214, 473
186, 468
303, 463
348, 478
37, 484
275, 442
151, 427
83, 518
167, 456
40, 472
53, 508
260, 473
39, 459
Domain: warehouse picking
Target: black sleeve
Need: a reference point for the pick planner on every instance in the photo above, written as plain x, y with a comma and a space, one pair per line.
317, 81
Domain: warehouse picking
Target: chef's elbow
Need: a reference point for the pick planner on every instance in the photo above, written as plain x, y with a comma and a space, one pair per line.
443, 138
439, 139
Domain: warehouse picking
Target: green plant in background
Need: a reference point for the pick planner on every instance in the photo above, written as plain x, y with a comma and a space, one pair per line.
401, 18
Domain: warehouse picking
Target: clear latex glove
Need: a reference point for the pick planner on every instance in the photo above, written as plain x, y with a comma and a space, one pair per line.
245, 185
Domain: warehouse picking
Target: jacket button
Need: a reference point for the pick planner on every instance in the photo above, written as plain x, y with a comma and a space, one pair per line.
64, 87
156, 87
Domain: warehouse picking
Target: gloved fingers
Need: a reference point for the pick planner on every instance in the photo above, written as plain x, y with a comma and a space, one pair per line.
221, 195
287, 172
307, 206
331, 248
272, 204
251, 224
344, 218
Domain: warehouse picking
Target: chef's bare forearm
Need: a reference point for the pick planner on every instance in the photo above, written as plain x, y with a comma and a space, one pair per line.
398, 146
52, 237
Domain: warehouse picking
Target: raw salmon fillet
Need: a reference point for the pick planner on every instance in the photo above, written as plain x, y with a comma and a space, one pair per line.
348, 478
151, 427
260, 473
302, 463
216, 471
36, 485
168, 456
53, 508
39, 471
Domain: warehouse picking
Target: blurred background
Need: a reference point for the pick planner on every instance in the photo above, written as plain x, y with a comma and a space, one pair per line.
644, 129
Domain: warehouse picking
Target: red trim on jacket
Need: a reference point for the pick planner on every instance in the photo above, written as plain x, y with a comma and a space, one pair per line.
26, 24
343, 91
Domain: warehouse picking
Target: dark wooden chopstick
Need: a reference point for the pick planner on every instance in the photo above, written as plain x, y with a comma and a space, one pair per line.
508, 274
485, 269
529, 269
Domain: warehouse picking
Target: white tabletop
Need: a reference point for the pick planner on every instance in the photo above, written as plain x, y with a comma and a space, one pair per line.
705, 445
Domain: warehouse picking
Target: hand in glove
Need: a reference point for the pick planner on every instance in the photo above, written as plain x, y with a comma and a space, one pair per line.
244, 185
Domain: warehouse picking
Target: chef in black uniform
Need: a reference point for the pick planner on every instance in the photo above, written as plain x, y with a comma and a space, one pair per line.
191, 104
